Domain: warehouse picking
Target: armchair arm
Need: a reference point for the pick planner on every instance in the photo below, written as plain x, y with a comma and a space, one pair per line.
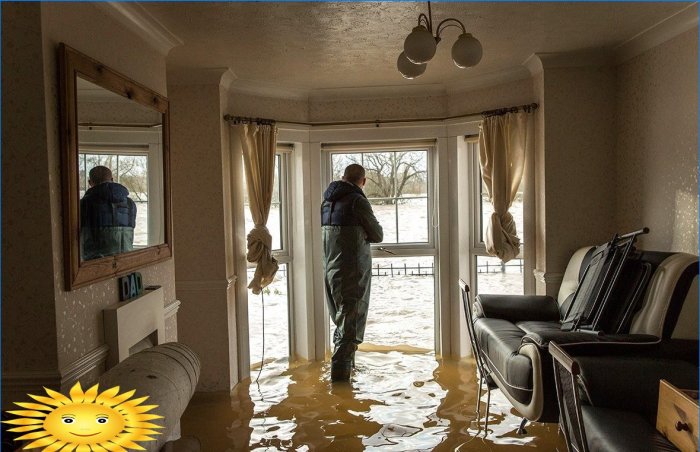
517, 308
584, 343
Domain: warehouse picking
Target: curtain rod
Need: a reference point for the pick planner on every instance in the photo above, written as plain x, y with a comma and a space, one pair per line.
487, 113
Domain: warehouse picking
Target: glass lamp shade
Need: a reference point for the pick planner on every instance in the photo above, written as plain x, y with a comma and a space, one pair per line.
408, 69
466, 51
419, 45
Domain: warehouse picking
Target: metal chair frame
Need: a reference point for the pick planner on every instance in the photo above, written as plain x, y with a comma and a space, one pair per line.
570, 418
481, 365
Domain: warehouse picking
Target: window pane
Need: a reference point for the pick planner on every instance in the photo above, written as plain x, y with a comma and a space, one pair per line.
494, 277
413, 220
276, 305
402, 303
277, 182
340, 161
385, 212
82, 175
397, 187
133, 174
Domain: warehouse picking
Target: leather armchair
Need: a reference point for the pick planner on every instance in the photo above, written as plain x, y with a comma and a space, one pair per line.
609, 402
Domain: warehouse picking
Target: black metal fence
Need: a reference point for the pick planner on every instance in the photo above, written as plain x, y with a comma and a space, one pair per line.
392, 270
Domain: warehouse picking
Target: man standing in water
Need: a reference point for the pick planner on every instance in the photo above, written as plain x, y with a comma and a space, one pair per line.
348, 228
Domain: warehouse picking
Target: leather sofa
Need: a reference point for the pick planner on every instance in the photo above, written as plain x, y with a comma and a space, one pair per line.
608, 398
512, 332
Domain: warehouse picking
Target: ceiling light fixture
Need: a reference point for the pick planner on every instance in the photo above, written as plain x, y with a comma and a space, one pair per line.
420, 46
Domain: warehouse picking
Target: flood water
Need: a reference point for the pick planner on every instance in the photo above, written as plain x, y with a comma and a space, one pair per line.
396, 401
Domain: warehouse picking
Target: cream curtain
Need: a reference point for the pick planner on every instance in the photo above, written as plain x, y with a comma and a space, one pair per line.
504, 140
259, 143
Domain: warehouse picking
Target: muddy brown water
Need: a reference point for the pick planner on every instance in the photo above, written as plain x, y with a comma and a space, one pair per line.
396, 401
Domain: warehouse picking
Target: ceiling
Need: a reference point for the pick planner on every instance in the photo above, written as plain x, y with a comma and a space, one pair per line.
322, 45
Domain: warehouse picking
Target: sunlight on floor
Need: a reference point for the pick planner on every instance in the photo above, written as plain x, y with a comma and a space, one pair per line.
395, 402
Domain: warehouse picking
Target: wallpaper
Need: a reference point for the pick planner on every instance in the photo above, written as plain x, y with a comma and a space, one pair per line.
518, 92
657, 145
381, 108
267, 107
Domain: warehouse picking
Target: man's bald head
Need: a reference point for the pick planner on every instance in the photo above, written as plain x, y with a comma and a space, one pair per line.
100, 174
355, 174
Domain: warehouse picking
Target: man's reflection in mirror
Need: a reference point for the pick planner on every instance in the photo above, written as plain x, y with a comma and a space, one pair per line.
107, 217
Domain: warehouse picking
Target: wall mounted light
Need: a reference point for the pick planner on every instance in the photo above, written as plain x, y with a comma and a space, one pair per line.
420, 46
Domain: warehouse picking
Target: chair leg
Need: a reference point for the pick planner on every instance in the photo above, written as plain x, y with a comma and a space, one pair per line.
478, 396
521, 430
488, 408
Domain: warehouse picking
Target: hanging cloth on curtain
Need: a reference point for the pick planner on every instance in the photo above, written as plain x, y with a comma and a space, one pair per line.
504, 140
259, 144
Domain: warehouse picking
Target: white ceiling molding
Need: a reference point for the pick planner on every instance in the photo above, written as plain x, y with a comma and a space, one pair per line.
267, 89
486, 80
222, 76
657, 34
378, 92
142, 23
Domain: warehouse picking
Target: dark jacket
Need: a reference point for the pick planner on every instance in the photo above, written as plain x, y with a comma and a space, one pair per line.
348, 228
107, 221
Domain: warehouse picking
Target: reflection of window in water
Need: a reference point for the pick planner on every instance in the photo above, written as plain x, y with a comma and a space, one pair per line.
130, 170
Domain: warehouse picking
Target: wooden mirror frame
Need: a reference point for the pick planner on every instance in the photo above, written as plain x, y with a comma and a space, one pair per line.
79, 273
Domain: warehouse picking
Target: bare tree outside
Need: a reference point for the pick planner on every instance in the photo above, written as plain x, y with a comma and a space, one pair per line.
390, 175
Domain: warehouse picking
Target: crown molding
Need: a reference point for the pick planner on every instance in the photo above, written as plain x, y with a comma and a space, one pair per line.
137, 19
457, 86
657, 34
378, 92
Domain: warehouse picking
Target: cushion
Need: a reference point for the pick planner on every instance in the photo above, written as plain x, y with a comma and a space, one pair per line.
500, 340
621, 431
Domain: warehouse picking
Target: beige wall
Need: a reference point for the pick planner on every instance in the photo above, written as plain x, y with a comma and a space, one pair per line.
267, 107
44, 327
202, 223
518, 92
28, 306
579, 163
377, 108
657, 145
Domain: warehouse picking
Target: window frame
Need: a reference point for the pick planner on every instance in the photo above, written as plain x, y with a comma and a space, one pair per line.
405, 249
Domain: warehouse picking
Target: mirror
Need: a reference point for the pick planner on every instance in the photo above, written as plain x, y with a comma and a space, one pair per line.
115, 171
